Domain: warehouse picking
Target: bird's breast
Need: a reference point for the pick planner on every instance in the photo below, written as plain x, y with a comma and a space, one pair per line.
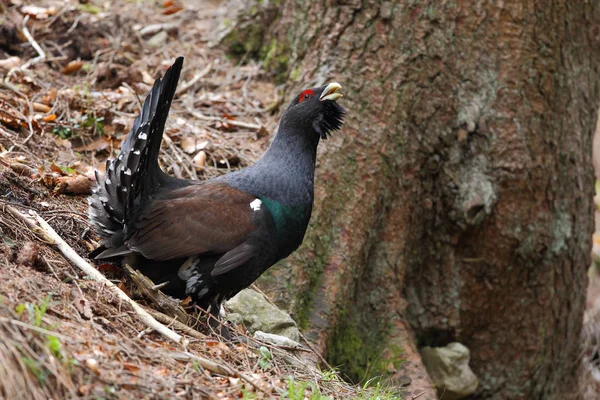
290, 222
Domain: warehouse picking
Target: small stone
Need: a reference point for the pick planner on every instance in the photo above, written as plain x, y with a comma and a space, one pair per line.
449, 370
251, 309
157, 41
276, 340
92, 364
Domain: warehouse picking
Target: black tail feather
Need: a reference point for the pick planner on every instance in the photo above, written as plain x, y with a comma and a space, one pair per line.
135, 173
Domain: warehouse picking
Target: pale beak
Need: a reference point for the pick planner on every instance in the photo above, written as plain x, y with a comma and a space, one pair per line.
330, 92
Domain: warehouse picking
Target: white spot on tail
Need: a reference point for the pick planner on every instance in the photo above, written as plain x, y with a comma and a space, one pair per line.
142, 136
127, 171
108, 181
136, 152
255, 205
187, 268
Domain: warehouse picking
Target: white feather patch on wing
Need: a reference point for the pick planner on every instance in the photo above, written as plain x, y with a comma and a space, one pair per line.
255, 205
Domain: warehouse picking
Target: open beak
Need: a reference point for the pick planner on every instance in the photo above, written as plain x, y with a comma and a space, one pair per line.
331, 92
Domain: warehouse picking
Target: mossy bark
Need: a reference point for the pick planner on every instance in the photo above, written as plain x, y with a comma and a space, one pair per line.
456, 205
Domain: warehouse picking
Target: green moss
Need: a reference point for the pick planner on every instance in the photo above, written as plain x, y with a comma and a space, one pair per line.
295, 74
360, 351
276, 59
320, 247
242, 42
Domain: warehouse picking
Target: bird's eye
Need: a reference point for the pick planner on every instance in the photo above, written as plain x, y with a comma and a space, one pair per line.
307, 94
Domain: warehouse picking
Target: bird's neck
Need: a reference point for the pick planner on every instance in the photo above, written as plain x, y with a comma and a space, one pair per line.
286, 171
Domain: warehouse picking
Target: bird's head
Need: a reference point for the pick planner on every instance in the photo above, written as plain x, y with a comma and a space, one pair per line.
316, 110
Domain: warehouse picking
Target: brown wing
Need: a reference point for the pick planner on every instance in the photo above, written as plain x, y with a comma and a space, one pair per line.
193, 220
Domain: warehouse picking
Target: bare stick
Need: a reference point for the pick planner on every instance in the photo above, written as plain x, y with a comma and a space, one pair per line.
170, 321
52, 237
187, 85
225, 120
162, 301
41, 55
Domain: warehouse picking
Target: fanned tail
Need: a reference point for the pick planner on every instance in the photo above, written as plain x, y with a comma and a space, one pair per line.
135, 173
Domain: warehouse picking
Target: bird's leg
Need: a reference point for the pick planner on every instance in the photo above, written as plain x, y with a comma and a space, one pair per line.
215, 318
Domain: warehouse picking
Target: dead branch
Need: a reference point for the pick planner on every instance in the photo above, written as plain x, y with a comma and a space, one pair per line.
162, 301
225, 120
41, 55
187, 85
170, 321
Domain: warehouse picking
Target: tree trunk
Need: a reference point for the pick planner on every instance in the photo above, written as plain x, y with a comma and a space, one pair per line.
456, 205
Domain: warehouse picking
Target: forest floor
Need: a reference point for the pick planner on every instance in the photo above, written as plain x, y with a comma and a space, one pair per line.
73, 76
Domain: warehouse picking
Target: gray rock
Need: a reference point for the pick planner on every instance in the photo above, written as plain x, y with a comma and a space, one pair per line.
157, 41
251, 309
449, 370
276, 340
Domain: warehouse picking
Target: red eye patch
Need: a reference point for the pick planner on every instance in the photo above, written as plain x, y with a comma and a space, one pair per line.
307, 94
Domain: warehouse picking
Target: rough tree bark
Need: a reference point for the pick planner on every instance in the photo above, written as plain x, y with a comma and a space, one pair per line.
456, 205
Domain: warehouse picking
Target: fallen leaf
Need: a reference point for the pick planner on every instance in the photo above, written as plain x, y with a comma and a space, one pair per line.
185, 301
108, 269
131, 367
57, 169
97, 145
12, 121
200, 160
122, 286
92, 364
39, 107
84, 169
78, 184
171, 7
228, 116
72, 67
10, 62
82, 305
38, 12
147, 78
49, 118
51, 97
190, 144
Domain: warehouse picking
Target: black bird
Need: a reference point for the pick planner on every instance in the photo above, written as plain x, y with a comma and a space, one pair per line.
210, 239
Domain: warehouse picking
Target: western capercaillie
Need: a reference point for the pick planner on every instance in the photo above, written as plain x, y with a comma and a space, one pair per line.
210, 239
